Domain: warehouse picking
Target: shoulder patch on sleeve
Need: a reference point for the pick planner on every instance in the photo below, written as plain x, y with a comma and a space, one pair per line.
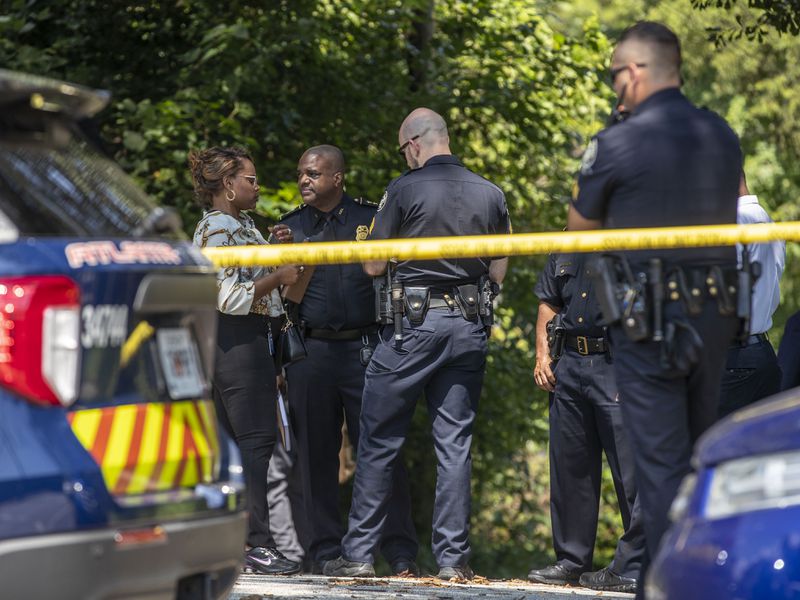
589, 156
292, 212
382, 203
364, 202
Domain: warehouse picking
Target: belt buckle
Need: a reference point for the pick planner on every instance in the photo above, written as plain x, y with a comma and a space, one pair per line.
583, 345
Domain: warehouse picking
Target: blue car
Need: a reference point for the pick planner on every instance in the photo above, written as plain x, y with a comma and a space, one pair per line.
736, 522
115, 478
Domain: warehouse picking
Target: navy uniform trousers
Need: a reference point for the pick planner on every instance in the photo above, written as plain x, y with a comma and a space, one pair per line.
585, 420
325, 388
444, 357
667, 409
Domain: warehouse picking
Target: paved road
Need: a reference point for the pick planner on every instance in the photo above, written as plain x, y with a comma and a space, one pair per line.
316, 587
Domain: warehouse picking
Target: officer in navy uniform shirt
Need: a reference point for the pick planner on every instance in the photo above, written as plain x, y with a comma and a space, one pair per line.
585, 421
444, 356
337, 313
668, 164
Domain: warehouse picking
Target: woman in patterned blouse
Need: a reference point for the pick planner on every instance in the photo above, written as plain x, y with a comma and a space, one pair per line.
244, 385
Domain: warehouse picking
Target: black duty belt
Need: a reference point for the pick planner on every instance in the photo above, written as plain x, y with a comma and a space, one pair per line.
343, 334
756, 338
440, 303
586, 345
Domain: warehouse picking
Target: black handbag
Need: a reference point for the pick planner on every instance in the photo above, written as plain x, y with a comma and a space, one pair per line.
293, 346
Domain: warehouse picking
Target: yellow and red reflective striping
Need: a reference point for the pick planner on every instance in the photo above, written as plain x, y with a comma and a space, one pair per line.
151, 447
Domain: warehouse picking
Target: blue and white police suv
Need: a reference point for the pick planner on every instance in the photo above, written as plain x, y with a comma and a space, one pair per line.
115, 479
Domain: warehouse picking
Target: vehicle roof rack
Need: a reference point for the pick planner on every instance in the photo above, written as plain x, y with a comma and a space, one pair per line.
50, 95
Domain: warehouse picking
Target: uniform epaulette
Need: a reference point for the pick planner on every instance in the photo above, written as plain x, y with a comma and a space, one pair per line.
293, 211
365, 202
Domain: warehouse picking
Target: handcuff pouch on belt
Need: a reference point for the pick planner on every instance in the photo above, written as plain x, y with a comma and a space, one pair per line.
556, 336
467, 298
416, 300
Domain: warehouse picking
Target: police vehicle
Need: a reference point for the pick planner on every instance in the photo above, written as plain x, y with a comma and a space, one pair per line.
736, 522
115, 479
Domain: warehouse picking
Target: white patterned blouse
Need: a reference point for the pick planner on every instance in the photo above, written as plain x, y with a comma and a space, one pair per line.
236, 284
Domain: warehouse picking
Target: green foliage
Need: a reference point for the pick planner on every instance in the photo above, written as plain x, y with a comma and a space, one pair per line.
520, 96
763, 17
520, 83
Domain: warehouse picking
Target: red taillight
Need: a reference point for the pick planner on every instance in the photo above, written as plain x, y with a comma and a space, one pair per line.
39, 338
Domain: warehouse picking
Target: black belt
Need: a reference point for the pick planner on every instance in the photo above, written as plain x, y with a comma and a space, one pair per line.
756, 338
343, 334
441, 303
586, 345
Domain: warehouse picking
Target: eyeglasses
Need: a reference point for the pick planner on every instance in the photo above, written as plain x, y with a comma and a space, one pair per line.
252, 179
402, 149
614, 72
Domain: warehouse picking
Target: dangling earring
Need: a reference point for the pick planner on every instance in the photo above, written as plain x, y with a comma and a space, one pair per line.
232, 197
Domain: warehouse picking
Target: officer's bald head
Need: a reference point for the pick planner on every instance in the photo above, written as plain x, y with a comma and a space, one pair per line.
332, 155
424, 122
422, 135
654, 45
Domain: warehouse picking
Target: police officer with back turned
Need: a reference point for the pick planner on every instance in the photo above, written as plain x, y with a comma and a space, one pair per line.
337, 313
437, 345
674, 312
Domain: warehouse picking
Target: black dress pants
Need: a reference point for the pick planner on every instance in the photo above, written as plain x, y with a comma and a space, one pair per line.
751, 373
585, 421
666, 409
245, 397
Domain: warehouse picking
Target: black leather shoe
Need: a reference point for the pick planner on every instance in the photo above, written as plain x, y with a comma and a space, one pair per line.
341, 567
448, 573
606, 580
405, 567
554, 575
269, 561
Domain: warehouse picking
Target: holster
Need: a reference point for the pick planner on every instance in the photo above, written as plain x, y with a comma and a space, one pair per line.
383, 300
604, 278
556, 336
681, 347
621, 295
488, 290
467, 297
416, 303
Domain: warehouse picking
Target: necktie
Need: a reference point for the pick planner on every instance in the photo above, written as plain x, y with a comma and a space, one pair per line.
333, 281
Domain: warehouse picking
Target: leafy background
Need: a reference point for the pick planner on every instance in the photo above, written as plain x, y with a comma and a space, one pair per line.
521, 84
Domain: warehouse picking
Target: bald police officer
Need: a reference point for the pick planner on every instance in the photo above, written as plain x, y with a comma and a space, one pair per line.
668, 164
441, 349
337, 314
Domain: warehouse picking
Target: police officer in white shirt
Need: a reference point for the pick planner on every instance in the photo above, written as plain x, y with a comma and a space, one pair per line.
752, 371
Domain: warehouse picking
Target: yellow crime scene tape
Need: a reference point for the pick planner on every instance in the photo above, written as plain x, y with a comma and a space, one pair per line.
604, 240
